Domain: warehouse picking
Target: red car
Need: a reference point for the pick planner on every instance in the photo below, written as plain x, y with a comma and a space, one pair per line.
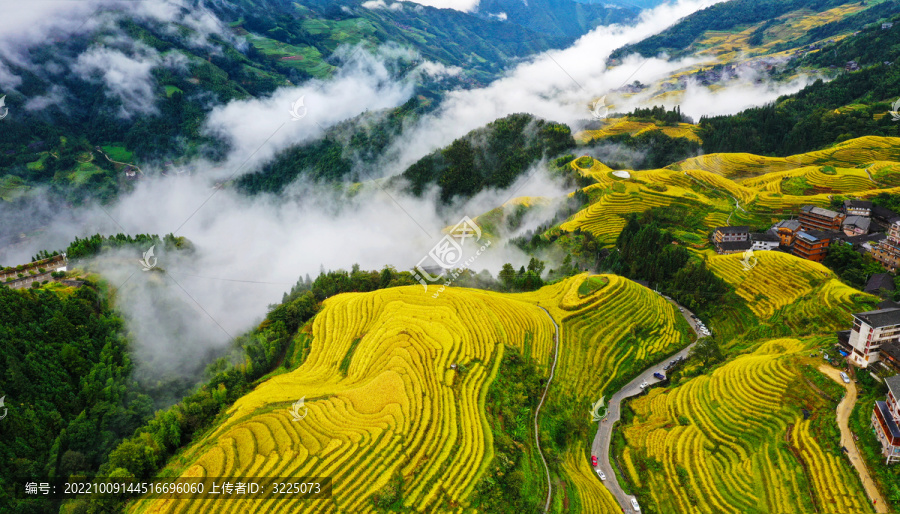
594, 460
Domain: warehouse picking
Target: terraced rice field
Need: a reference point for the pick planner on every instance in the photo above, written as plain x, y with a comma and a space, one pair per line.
803, 291
710, 184
605, 218
778, 279
719, 443
401, 409
616, 126
593, 496
646, 328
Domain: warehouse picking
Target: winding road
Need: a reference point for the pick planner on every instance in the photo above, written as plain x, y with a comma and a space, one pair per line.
844, 409
602, 440
537, 411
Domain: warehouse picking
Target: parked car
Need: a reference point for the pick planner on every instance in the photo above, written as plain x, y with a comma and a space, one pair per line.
659, 376
594, 460
668, 366
644, 385
845, 378
634, 504
601, 474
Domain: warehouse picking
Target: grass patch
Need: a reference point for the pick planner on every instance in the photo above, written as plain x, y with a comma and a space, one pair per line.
345, 362
119, 153
591, 285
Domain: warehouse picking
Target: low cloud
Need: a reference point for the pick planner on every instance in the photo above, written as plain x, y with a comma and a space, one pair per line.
380, 4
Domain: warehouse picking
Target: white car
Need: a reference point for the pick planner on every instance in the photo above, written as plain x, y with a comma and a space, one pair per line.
845, 378
634, 504
601, 474
644, 385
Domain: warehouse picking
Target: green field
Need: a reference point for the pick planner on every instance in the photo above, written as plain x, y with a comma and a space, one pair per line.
119, 153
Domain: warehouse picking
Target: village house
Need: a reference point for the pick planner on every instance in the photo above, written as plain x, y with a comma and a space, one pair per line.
856, 225
764, 241
857, 208
880, 283
817, 218
890, 355
887, 252
812, 244
885, 421
786, 231
871, 330
728, 234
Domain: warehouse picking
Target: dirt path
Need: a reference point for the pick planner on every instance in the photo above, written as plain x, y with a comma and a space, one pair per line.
537, 411
844, 409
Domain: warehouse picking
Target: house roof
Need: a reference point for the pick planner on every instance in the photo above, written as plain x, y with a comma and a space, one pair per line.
858, 221
815, 235
880, 318
739, 230
891, 349
734, 245
862, 238
882, 212
788, 224
893, 384
880, 281
765, 236
812, 209
859, 204
888, 419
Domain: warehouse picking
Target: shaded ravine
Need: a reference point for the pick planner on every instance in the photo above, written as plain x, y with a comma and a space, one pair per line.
537, 411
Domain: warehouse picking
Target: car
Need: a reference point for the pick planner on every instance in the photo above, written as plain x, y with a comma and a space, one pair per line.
845, 378
634, 504
644, 384
680, 309
594, 460
659, 376
601, 474
668, 366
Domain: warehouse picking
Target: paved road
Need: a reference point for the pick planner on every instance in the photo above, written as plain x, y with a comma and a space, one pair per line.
537, 411
844, 409
602, 440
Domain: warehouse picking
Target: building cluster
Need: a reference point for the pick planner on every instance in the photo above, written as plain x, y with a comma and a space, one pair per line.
885, 421
875, 340
868, 228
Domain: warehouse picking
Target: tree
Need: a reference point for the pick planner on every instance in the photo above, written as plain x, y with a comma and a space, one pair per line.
536, 266
707, 351
507, 276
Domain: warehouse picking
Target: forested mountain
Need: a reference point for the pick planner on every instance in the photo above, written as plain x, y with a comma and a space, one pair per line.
493, 156
86, 133
852, 105
67, 379
676, 39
